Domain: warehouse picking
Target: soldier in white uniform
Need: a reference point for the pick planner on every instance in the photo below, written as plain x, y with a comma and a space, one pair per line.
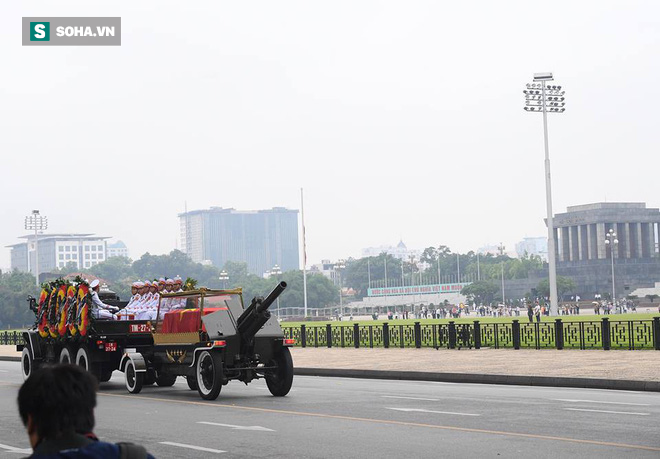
151, 304
178, 303
166, 303
100, 310
145, 297
131, 303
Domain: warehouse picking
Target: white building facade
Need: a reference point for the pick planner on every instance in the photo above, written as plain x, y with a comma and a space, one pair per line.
58, 250
400, 251
117, 249
533, 246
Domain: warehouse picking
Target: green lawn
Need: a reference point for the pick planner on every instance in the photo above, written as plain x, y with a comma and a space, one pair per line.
472, 318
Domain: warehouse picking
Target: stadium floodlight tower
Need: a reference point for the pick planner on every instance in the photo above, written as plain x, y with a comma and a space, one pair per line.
37, 223
542, 98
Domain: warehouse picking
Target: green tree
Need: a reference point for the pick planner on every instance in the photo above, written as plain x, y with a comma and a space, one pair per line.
237, 271
321, 292
356, 273
114, 269
15, 287
481, 291
564, 285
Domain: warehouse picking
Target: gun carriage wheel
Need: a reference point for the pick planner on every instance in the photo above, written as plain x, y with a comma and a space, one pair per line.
209, 374
192, 382
165, 379
279, 381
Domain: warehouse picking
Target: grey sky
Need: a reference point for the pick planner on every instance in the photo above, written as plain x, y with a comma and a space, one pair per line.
398, 118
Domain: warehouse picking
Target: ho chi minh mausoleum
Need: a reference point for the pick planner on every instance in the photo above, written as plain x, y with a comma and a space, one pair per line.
583, 255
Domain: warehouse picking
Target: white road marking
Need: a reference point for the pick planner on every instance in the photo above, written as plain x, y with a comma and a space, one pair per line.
412, 398
609, 412
421, 410
259, 428
599, 401
198, 448
13, 449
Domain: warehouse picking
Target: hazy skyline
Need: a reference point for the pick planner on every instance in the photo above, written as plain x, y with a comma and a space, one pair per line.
399, 119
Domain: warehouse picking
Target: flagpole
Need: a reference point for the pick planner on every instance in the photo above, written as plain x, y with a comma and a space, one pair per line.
369, 271
302, 216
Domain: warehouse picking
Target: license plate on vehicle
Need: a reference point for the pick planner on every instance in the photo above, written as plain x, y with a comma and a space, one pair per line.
139, 328
110, 347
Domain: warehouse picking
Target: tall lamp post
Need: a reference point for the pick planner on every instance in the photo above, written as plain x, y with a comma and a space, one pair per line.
341, 264
542, 98
611, 241
37, 223
501, 250
276, 271
412, 270
224, 277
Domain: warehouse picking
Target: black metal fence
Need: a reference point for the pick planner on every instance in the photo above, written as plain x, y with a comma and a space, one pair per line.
11, 337
598, 334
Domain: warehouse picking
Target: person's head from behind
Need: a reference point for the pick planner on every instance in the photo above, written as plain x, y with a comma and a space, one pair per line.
57, 400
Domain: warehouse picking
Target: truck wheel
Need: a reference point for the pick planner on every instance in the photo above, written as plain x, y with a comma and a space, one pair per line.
209, 375
279, 381
192, 382
66, 355
165, 380
27, 363
104, 375
132, 378
149, 378
82, 358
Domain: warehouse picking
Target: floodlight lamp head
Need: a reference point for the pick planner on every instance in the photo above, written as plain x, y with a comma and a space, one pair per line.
544, 76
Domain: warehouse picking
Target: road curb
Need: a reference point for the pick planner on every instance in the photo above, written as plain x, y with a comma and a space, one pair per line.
8, 358
551, 381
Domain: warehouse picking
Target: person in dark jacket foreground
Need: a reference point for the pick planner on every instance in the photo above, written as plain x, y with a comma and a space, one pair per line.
56, 404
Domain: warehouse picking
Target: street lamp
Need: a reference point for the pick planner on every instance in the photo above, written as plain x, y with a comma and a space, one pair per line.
341, 264
224, 277
501, 250
276, 271
412, 270
37, 223
540, 98
611, 241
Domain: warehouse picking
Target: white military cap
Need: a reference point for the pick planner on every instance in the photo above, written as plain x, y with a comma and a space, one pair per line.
169, 281
162, 279
94, 283
147, 283
139, 284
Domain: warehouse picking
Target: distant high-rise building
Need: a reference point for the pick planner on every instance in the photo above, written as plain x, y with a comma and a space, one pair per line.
58, 250
262, 238
533, 246
117, 249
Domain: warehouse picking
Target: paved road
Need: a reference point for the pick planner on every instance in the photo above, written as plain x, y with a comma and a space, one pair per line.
333, 417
